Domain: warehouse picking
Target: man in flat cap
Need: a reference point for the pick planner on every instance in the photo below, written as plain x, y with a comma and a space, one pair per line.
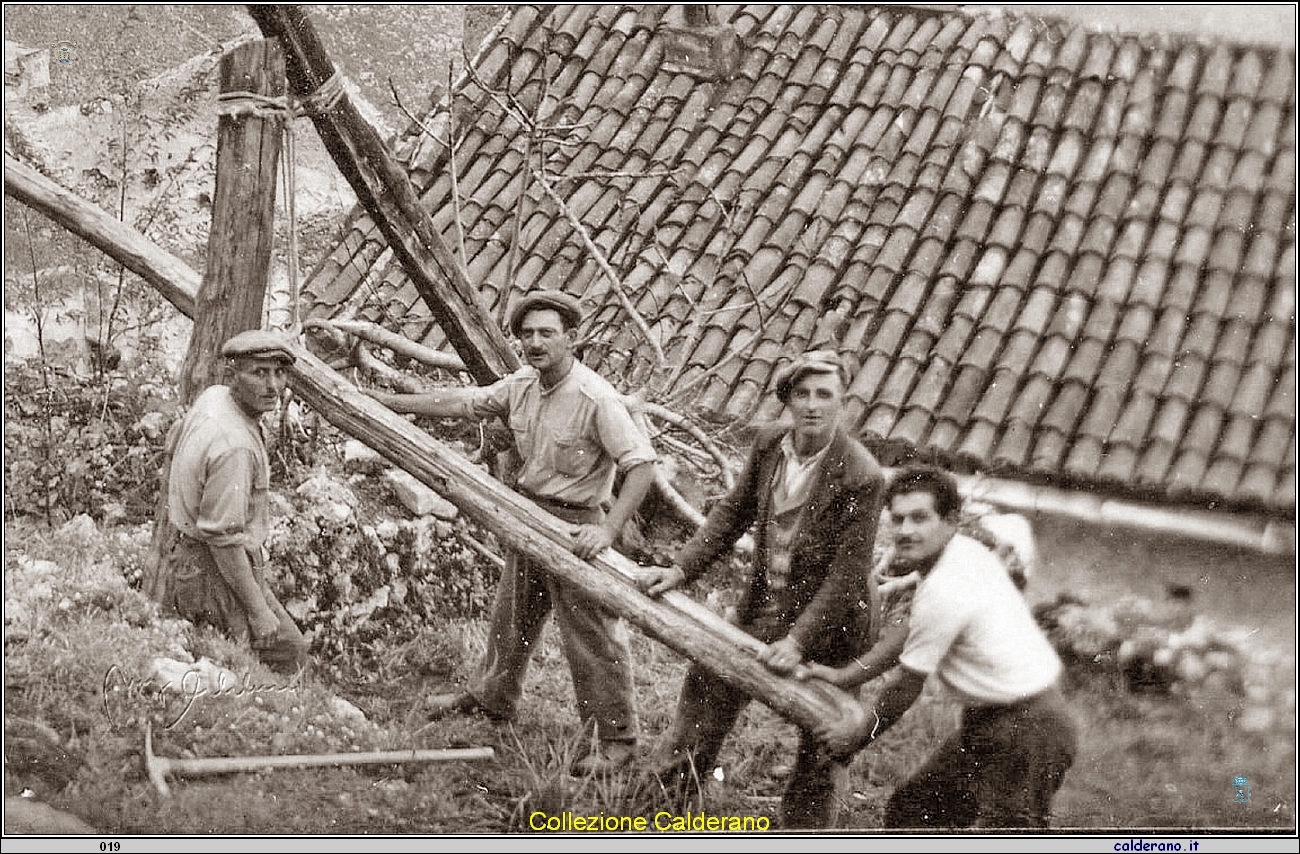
573, 434
217, 504
812, 494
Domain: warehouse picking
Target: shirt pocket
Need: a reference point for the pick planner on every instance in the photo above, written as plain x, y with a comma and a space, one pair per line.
575, 456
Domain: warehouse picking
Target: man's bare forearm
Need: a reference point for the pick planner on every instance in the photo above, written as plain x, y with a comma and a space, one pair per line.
636, 483
446, 403
237, 571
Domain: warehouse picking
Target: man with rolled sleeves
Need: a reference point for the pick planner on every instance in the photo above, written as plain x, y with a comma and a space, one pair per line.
573, 434
217, 504
812, 494
971, 628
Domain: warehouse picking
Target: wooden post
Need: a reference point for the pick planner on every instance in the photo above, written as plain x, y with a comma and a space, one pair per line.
386, 192
233, 291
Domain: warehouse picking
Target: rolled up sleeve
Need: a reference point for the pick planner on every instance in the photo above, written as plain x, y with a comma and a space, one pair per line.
624, 441
227, 502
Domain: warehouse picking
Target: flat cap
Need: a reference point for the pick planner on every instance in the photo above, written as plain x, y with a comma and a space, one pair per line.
566, 305
812, 362
258, 344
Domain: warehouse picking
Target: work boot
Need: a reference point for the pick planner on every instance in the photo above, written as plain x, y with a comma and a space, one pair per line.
463, 703
610, 756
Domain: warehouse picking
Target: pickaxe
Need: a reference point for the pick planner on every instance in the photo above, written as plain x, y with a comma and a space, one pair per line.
158, 767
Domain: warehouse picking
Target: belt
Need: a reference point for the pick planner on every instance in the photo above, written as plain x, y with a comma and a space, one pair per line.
189, 539
994, 708
255, 554
555, 502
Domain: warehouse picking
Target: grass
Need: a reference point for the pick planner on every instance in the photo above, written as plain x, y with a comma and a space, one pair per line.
1145, 761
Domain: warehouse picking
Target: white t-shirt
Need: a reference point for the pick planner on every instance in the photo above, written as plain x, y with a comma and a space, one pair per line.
972, 628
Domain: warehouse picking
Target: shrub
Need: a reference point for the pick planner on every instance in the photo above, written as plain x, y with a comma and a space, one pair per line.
364, 589
78, 444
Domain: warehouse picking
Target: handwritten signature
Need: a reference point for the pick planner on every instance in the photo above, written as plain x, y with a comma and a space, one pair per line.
185, 692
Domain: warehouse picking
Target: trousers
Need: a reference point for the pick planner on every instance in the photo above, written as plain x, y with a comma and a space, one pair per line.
1001, 769
596, 642
706, 712
199, 594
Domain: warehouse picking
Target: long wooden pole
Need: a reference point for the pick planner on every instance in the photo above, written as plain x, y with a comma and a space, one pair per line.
169, 275
675, 620
385, 191
233, 292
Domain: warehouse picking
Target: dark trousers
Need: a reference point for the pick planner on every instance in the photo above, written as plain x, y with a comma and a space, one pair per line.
596, 643
706, 712
200, 595
1001, 769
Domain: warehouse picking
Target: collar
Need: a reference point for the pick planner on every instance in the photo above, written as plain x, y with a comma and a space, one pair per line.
793, 458
545, 389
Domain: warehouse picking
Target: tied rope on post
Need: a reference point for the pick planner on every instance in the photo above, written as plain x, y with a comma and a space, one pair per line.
326, 97
244, 104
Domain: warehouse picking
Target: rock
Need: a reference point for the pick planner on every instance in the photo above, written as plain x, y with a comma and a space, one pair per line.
418, 498
1256, 719
341, 708
321, 489
80, 529
28, 816
360, 457
1192, 668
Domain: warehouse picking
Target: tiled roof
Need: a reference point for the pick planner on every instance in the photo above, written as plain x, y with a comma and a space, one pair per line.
1049, 253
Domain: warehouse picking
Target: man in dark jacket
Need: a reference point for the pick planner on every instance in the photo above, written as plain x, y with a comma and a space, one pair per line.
812, 494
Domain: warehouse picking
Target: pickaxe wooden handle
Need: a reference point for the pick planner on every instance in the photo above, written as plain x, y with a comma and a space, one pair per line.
159, 767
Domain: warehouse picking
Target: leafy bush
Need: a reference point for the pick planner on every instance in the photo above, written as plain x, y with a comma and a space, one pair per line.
78, 444
366, 589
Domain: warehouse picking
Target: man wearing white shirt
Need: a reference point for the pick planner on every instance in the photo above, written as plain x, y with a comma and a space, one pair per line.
971, 628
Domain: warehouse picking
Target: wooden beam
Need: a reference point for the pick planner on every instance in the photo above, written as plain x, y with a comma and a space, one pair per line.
675, 620
385, 191
169, 275
233, 292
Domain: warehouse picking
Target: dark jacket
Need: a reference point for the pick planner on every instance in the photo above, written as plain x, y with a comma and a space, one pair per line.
832, 594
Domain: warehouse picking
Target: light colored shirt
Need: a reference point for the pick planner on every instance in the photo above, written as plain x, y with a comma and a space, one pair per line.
573, 437
794, 476
973, 629
217, 488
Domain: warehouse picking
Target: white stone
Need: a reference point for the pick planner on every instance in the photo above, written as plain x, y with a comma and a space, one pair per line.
356, 452
418, 498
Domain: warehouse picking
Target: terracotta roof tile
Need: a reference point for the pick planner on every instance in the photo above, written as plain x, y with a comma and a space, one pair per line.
1054, 252
1063, 413
1020, 269
1158, 163
1204, 119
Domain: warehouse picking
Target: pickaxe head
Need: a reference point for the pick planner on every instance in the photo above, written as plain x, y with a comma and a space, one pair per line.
157, 767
